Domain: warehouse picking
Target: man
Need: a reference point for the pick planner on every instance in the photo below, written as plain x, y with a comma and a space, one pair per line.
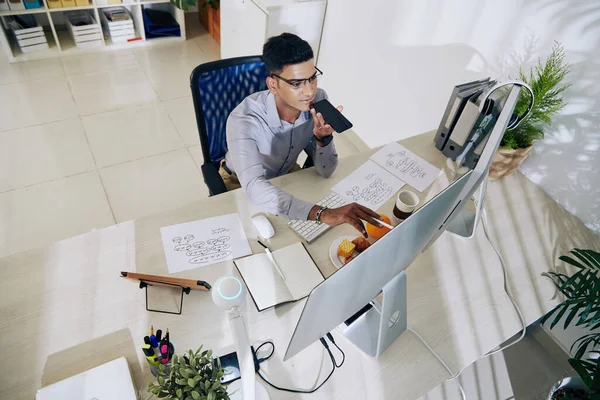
269, 129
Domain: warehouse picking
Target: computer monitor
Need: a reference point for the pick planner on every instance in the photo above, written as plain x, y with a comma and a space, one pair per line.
379, 270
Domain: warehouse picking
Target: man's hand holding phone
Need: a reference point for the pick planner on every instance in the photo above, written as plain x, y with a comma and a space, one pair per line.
322, 129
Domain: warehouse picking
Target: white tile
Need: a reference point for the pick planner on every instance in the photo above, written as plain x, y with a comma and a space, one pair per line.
43, 153
183, 116
125, 135
153, 184
99, 61
171, 78
196, 152
43, 214
35, 102
111, 89
168, 52
30, 70
209, 46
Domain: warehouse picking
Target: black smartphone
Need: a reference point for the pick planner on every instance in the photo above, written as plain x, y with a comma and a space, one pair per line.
231, 368
332, 116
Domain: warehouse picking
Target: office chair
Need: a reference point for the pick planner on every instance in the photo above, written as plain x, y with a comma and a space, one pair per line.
217, 88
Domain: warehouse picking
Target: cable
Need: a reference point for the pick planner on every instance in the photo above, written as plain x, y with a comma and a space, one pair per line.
330, 337
512, 300
257, 362
453, 377
505, 275
511, 124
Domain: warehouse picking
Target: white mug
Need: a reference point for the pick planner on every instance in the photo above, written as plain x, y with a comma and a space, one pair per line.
406, 203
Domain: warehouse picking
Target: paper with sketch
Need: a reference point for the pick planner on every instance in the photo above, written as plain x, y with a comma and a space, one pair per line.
370, 185
204, 242
406, 165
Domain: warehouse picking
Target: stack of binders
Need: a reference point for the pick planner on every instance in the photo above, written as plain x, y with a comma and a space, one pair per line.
464, 122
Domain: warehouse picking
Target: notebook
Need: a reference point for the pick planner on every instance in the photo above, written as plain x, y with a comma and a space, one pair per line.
110, 381
266, 286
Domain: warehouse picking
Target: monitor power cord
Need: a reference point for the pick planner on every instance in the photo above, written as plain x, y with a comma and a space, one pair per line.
334, 364
453, 376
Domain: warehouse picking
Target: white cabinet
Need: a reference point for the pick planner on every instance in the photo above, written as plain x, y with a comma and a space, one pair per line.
65, 39
247, 24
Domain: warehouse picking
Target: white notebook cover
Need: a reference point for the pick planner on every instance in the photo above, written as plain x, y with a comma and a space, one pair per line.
110, 381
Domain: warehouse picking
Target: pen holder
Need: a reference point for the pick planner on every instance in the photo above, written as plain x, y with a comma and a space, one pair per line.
155, 368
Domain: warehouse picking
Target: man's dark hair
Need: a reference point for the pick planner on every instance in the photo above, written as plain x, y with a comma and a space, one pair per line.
285, 49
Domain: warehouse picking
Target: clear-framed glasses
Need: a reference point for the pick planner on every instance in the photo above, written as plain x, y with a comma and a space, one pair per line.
298, 83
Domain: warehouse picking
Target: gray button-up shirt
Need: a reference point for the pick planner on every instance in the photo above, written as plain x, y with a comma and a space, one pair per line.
261, 146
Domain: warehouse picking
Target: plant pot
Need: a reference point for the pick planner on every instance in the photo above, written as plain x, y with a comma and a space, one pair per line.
506, 161
573, 385
210, 19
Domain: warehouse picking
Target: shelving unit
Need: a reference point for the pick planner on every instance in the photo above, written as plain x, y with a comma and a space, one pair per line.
61, 42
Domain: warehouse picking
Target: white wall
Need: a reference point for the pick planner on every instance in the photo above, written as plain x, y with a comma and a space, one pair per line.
393, 64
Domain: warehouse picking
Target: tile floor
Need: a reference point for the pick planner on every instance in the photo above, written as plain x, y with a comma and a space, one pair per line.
91, 140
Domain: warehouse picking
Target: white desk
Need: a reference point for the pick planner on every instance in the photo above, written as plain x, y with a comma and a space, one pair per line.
64, 309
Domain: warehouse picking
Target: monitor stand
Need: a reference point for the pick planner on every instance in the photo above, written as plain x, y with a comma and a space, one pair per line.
464, 224
376, 329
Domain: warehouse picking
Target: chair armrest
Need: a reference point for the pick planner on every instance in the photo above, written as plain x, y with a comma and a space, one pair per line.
309, 162
212, 179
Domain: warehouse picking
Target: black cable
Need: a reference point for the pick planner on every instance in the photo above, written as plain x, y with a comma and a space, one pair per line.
257, 362
330, 337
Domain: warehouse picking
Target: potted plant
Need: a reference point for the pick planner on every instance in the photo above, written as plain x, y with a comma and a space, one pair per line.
193, 376
210, 17
581, 306
546, 81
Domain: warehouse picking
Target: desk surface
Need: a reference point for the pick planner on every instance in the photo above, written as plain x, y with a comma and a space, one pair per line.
64, 309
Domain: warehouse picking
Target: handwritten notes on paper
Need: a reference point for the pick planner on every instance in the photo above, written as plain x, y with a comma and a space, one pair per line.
406, 165
369, 185
204, 242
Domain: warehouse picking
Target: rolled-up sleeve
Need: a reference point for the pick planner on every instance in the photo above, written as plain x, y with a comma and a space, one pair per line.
260, 192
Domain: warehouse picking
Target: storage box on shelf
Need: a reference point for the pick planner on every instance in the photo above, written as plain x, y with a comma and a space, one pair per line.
16, 5
28, 34
107, 2
85, 30
159, 23
53, 3
29, 4
118, 24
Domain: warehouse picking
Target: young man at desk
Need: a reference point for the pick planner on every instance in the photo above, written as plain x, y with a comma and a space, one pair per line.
269, 129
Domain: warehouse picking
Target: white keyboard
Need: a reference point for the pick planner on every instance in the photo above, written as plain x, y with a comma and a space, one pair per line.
310, 230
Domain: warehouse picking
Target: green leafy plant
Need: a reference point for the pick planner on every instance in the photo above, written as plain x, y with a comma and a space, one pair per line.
545, 79
582, 306
202, 4
192, 377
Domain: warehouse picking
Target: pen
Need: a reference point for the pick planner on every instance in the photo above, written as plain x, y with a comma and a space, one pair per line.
385, 224
164, 352
153, 360
154, 344
149, 353
159, 336
270, 255
151, 330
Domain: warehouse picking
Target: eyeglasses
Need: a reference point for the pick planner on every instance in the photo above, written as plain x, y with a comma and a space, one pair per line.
298, 83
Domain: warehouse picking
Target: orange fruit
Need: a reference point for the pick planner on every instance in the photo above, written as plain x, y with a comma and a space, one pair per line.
376, 232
